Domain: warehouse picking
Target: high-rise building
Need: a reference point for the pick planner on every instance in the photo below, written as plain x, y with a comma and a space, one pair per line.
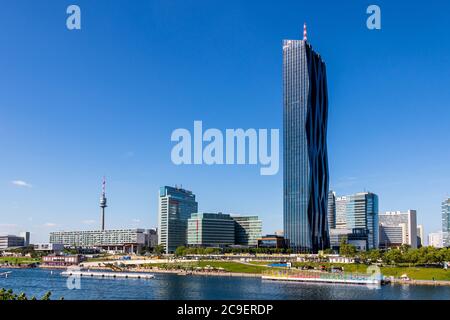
359, 211
435, 239
210, 230
341, 213
331, 210
420, 238
446, 222
175, 208
26, 238
247, 230
362, 212
305, 176
406, 224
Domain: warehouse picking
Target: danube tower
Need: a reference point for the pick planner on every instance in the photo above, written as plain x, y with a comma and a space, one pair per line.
103, 203
305, 160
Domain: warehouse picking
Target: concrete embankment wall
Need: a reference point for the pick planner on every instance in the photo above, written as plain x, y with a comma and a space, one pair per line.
421, 282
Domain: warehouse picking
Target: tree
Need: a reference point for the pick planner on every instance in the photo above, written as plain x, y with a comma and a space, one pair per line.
10, 295
159, 249
180, 251
345, 249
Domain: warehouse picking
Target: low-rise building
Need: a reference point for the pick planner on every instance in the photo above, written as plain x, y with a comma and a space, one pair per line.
122, 240
357, 237
11, 241
49, 247
62, 260
335, 258
273, 242
151, 238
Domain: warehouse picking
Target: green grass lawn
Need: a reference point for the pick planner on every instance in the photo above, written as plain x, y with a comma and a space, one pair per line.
412, 272
232, 266
417, 273
229, 266
18, 260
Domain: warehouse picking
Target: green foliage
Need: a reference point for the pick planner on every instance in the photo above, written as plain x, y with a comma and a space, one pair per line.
10, 295
159, 249
404, 255
347, 250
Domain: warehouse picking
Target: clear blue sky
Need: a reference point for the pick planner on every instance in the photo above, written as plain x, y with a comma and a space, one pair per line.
77, 105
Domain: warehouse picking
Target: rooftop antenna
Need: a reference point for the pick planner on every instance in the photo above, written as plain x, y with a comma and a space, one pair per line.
305, 34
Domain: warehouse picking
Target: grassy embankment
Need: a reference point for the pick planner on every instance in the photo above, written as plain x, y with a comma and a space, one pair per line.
18, 260
416, 273
229, 266
258, 267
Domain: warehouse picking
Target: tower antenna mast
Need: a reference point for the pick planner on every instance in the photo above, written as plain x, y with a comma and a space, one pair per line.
103, 203
305, 34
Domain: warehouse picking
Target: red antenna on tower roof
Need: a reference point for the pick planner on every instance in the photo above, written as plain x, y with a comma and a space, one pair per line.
305, 37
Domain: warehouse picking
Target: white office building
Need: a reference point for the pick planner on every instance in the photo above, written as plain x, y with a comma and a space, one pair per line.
397, 228
435, 239
123, 240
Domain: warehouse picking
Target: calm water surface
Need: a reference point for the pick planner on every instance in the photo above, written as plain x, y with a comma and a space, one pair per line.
171, 286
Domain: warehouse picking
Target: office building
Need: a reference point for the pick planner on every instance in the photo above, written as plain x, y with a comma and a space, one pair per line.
392, 236
397, 228
55, 260
420, 238
49, 247
273, 242
358, 237
331, 210
151, 238
12, 241
26, 238
247, 230
279, 233
359, 211
341, 212
126, 240
436, 239
175, 208
210, 230
305, 160
446, 222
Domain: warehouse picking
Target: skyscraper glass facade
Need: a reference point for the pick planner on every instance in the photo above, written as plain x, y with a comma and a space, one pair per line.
331, 210
175, 208
305, 176
247, 230
446, 222
362, 212
210, 230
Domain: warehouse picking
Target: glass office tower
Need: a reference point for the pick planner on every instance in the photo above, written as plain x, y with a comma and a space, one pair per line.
247, 230
331, 210
305, 176
446, 222
362, 213
175, 208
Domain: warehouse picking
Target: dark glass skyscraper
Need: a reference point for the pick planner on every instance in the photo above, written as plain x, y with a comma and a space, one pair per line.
305, 160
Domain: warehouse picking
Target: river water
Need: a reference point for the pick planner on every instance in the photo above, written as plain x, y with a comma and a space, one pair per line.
171, 286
